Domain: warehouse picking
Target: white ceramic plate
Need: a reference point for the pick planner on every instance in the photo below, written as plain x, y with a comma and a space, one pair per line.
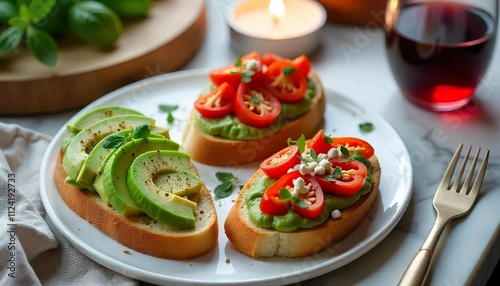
225, 265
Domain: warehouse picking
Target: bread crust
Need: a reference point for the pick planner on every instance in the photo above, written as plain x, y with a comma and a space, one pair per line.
262, 242
218, 151
142, 233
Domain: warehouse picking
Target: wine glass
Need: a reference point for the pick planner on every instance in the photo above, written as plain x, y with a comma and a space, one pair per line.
439, 50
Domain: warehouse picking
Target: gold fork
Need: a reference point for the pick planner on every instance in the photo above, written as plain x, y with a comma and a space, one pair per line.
450, 201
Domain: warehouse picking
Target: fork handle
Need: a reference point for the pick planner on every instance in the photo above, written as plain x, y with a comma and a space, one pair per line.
417, 270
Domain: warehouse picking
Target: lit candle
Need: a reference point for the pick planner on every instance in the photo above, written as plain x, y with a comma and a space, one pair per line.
288, 28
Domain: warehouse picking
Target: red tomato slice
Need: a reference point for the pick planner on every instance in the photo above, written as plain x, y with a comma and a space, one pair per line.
353, 144
301, 62
254, 106
232, 74
315, 200
351, 181
285, 81
272, 203
278, 164
218, 103
320, 143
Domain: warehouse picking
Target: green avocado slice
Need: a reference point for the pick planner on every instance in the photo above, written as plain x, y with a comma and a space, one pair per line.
83, 143
95, 159
98, 114
157, 180
114, 175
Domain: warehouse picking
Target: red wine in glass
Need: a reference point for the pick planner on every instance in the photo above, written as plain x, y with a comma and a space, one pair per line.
439, 51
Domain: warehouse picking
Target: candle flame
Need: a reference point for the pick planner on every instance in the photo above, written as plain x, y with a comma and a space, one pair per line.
276, 8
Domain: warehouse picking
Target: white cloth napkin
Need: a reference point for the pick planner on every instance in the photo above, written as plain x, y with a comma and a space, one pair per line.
32, 251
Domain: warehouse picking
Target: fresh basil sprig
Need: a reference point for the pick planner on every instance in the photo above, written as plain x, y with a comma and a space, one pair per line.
286, 196
354, 156
301, 143
226, 187
169, 109
116, 140
40, 44
366, 126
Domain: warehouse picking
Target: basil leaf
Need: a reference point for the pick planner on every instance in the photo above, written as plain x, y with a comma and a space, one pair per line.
141, 131
113, 141
285, 194
7, 11
366, 127
288, 70
223, 190
170, 118
225, 177
39, 9
345, 152
42, 46
168, 108
238, 62
10, 39
300, 203
301, 143
246, 76
18, 22
328, 139
329, 178
313, 154
337, 173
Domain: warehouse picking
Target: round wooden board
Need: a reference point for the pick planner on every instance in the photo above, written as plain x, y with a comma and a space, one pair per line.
161, 43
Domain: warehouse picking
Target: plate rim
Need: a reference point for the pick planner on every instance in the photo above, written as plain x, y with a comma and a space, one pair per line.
149, 276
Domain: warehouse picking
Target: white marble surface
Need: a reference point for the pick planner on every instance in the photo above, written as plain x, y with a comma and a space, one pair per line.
352, 62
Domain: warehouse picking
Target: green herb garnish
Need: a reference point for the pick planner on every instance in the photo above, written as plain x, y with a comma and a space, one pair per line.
286, 196
366, 127
168, 109
301, 143
246, 76
116, 140
226, 187
288, 70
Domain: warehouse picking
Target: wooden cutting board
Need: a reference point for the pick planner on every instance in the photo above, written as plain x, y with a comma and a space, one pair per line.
160, 43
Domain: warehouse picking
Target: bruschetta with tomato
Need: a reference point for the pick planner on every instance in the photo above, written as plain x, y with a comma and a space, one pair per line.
250, 108
305, 197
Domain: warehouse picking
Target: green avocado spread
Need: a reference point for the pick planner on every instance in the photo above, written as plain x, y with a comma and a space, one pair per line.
293, 221
231, 128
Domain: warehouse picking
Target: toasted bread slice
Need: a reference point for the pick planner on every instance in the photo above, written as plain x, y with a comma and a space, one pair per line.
141, 232
262, 242
218, 151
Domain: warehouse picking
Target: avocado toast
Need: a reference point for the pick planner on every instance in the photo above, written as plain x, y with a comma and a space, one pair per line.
125, 176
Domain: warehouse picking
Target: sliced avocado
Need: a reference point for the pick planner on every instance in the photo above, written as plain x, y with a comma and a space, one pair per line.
66, 141
95, 159
115, 171
98, 114
156, 178
85, 140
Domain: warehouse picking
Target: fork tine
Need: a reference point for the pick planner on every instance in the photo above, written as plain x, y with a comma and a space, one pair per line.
480, 176
466, 186
456, 184
445, 182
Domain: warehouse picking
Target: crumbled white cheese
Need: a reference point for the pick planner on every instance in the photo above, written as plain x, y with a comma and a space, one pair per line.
299, 185
333, 153
253, 65
320, 170
335, 214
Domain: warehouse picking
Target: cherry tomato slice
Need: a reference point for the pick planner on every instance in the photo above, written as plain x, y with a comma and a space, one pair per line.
218, 103
254, 106
315, 200
232, 74
285, 81
320, 143
270, 202
353, 144
301, 62
353, 175
278, 164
